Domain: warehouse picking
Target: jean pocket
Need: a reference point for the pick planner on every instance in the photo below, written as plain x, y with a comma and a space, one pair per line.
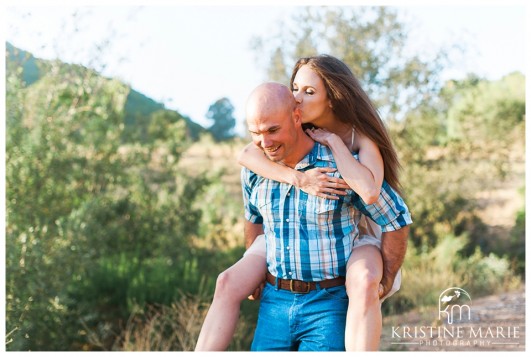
266, 291
336, 293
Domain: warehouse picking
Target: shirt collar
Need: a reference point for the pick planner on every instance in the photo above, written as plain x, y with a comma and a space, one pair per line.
318, 152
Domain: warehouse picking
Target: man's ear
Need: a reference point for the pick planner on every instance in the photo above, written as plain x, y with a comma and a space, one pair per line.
297, 116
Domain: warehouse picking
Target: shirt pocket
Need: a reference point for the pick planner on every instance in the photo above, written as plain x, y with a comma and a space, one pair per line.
269, 209
321, 205
262, 200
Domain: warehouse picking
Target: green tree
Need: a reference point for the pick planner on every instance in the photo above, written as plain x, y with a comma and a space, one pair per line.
474, 132
168, 129
277, 68
484, 110
221, 112
95, 227
65, 153
370, 40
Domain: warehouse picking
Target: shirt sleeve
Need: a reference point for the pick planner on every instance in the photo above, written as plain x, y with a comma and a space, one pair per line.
248, 179
389, 211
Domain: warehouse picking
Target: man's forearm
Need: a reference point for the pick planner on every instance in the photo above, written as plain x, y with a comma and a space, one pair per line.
394, 246
251, 231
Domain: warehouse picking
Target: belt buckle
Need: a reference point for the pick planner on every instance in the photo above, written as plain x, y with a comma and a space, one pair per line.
300, 292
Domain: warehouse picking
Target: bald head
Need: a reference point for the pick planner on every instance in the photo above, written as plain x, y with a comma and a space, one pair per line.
275, 124
270, 99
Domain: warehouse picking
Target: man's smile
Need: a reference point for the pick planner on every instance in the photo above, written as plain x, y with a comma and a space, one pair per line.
272, 150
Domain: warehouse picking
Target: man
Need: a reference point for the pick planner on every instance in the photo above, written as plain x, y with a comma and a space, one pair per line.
308, 239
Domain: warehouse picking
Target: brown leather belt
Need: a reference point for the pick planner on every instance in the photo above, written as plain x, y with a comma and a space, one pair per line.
303, 287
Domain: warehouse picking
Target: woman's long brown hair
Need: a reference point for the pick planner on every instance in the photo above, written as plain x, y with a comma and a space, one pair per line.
352, 105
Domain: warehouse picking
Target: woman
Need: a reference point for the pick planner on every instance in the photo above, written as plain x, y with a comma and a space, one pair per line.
331, 99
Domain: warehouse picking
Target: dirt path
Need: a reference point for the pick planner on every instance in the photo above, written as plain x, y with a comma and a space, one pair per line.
497, 323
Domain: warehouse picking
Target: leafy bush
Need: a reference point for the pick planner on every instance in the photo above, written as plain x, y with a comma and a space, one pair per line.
426, 273
92, 223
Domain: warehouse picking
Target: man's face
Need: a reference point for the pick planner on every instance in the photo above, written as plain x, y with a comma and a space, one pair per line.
274, 134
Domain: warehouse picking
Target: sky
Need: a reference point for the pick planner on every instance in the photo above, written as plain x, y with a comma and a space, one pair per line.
189, 56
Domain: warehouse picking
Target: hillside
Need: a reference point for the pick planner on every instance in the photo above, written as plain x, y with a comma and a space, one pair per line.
138, 107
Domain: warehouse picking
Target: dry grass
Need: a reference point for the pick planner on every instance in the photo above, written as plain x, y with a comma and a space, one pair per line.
165, 328
206, 155
174, 328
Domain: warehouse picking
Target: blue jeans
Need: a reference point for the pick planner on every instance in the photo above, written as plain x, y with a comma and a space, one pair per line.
301, 322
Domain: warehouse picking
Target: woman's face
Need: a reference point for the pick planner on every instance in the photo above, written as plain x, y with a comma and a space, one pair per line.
310, 94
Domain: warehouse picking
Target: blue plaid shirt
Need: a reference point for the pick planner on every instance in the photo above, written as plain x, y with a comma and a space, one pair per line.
307, 237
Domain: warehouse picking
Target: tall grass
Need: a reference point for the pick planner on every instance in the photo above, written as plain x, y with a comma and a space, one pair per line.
174, 328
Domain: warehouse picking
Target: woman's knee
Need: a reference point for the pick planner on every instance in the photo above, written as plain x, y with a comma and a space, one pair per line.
363, 282
226, 285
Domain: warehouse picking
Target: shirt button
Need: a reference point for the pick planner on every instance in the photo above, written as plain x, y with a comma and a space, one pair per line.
287, 219
287, 247
290, 273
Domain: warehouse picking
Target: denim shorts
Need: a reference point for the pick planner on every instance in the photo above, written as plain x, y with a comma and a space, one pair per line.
301, 322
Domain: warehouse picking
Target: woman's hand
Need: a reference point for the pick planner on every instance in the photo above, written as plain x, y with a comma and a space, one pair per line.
316, 182
322, 136
257, 293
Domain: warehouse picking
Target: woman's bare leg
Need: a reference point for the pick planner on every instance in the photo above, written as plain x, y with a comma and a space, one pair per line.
232, 287
364, 315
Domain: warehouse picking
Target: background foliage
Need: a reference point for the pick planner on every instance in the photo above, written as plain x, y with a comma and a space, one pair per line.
120, 213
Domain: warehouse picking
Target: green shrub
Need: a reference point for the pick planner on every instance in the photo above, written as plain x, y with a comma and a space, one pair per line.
426, 273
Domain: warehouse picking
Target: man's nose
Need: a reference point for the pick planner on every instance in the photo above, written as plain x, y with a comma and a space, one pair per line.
266, 141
